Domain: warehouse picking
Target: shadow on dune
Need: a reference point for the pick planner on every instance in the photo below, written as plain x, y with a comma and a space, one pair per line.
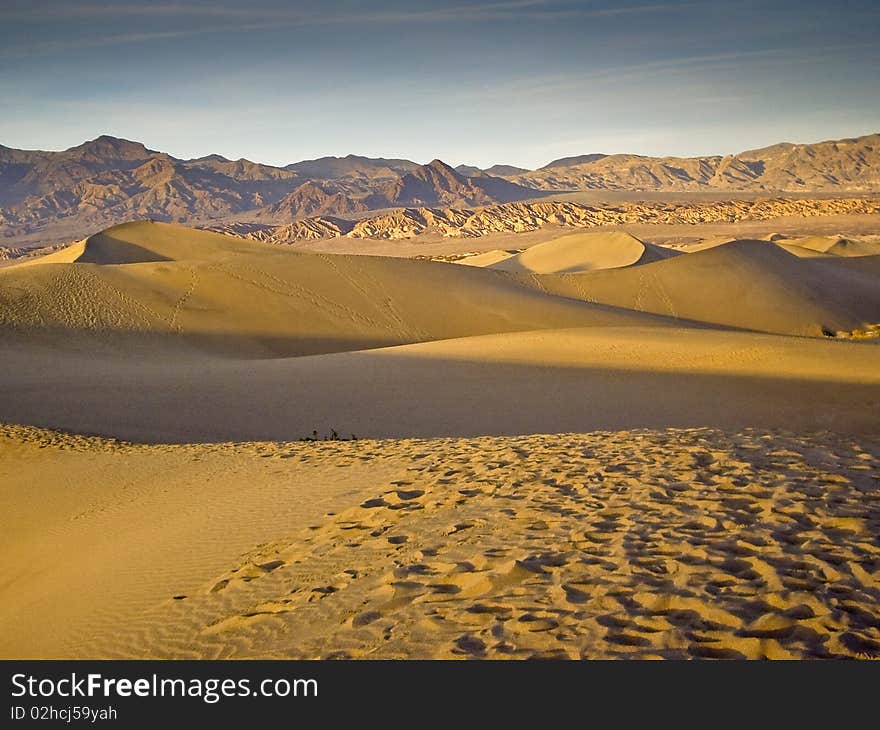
105, 250
168, 347
381, 394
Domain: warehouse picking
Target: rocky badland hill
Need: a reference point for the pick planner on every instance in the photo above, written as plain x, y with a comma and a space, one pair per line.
518, 217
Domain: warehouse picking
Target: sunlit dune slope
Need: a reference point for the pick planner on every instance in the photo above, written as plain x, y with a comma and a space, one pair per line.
801, 252
836, 245
791, 248
802, 246
66, 255
148, 241
194, 338
150, 282
581, 252
743, 284
487, 258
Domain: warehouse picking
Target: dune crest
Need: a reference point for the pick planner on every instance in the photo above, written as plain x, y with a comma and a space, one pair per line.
487, 258
745, 284
582, 252
837, 246
174, 286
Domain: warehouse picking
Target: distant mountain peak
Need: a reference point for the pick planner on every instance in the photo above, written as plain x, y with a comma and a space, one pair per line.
211, 158
468, 170
109, 139
106, 145
351, 166
576, 160
439, 184
504, 170
493, 171
439, 170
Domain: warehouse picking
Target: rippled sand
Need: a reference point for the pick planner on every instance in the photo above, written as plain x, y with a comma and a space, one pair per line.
667, 543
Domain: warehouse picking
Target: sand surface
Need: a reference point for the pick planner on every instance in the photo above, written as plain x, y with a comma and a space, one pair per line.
743, 284
147, 284
668, 543
533, 382
673, 458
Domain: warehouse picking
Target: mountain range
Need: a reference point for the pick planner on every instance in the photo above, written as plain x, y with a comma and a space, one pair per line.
53, 196
846, 164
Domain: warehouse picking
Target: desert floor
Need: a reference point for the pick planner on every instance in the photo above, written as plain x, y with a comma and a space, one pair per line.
595, 449
648, 543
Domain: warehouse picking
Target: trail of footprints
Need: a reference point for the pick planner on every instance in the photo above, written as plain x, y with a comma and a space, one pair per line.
672, 544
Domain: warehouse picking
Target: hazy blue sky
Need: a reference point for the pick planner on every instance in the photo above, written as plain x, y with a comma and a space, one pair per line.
515, 81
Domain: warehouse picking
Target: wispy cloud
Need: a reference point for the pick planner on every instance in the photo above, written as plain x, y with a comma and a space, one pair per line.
272, 19
66, 10
572, 82
46, 12
41, 48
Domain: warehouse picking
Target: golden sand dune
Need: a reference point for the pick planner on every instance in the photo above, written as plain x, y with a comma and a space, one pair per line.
801, 246
150, 282
801, 252
532, 382
791, 248
580, 252
487, 258
148, 241
836, 245
156, 283
670, 543
742, 524
99, 531
141, 342
745, 284
66, 255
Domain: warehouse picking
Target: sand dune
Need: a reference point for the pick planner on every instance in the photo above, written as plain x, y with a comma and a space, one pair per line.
867, 267
671, 543
535, 382
836, 246
801, 252
745, 284
103, 530
801, 246
582, 252
487, 258
66, 255
162, 347
791, 248
627, 476
151, 284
